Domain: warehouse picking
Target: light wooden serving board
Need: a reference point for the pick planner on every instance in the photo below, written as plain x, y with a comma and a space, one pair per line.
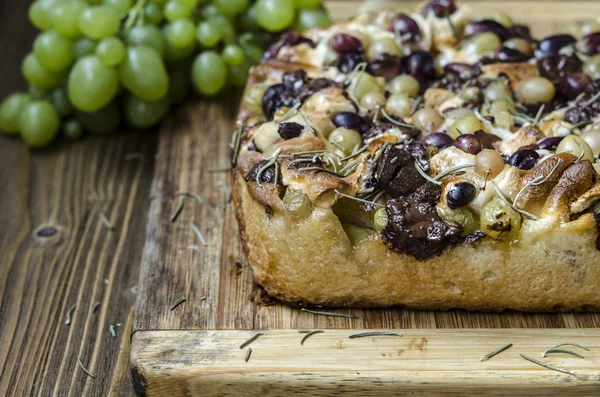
193, 349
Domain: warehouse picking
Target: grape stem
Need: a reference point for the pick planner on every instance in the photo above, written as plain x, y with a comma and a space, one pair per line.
135, 15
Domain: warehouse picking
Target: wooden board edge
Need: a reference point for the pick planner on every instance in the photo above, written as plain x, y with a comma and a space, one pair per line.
421, 362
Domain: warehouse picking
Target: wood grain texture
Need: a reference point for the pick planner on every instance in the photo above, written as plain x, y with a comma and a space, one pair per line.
421, 362
58, 191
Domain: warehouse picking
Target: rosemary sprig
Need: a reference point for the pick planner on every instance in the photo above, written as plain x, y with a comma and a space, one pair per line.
416, 105
236, 141
564, 344
396, 122
177, 210
514, 207
538, 115
271, 160
69, 313
549, 366
198, 234
380, 152
453, 169
248, 354
105, 220
320, 169
95, 307
349, 168
226, 189
329, 313
497, 351
307, 123
290, 113
337, 192
591, 100
549, 351
178, 302
193, 195
252, 339
358, 71
582, 152
309, 334
424, 174
376, 115
374, 333
538, 181
84, 369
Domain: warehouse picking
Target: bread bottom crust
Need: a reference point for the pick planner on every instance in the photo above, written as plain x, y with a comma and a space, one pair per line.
312, 262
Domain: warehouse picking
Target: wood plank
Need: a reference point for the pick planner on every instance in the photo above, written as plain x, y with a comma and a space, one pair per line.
421, 362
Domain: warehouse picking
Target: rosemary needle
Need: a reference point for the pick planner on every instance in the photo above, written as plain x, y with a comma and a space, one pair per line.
96, 306
178, 302
248, 354
309, 334
198, 234
177, 210
84, 369
565, 344
549, 366
111, 328
195, 196
374, 333
105, 220
255, 337
329, 313
226, 189
497, 351
69, 313
562, 351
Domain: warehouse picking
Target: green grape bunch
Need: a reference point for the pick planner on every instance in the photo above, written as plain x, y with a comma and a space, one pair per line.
97, 64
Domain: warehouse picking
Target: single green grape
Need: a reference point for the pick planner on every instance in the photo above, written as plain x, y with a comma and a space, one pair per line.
98, 22
61, 103
65, 18
144, 114
39, 124
225, 27
238, 74
233, 55
143, 73
122, 7
111, 51
209, 73
311, 18
248, 21
208, 34
275, 15
175, 10
153, 14
36, 74
72, 129
40, 13
54, 51
83, 47
231, 8
92, 84
179, 79
148, 35
303, 4
180, 33
10, 110
174, 53
101, 122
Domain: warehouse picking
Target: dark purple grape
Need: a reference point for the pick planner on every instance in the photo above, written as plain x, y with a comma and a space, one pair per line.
464, 71
347, 62
486, 25
468, 143
351, 121
438, 139
520, 31
286, 39
487, 140
556, 67
589, 44
551, 45
573, 85
550, 143
406, 27
440, 8
385, 65
524, 159
460, 195
505, 54
343, 43
419, 64
294, 80
290, 130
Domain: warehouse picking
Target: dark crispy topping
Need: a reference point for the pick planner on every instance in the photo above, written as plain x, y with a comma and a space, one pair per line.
385, 65
396, 173
267, 175
421, 153
287, 39
414, 227
471, 238
290, 130
583, 109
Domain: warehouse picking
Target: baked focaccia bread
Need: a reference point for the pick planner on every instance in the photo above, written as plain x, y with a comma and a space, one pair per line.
432, 160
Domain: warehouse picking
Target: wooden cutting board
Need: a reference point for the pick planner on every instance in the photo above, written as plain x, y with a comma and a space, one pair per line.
193, 348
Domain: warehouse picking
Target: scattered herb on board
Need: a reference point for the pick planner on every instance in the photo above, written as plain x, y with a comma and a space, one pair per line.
105, 221
177, 210
330, 313
226, 189
549, 366
84, 369
198, 234
248, 354
549, 351
497, 351
564, 344
252, 339
111, 329
374, 333
69, 313
178, 302
96, 306
236, 141
309, 334
193, 195
134, 156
